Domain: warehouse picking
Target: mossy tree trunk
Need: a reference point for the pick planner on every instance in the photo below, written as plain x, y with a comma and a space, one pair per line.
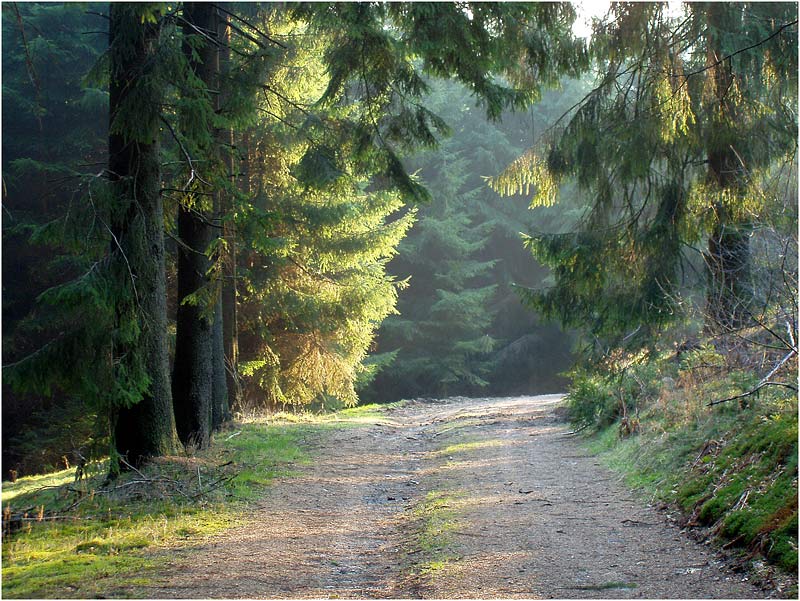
146, 428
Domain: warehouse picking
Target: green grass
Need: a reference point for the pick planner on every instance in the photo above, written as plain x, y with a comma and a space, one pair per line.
733, 471
436, 518
87, 557
114, 539
468, 446
29, 484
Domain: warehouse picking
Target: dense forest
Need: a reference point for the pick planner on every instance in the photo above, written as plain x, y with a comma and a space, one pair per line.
219, 210
270, 164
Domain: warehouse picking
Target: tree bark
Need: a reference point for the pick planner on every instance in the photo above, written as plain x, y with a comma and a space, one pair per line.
229, 283
147, 428
728, 258
193, 373
224, 317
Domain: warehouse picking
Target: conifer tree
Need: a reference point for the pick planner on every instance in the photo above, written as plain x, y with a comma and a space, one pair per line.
312, 243
225, 322
442, 330
193, 372
461, 326
54, 142
145, 426
672, 148
112, 345
314, 248
370, 108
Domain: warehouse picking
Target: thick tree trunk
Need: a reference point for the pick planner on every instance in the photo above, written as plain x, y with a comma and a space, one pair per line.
146, 428
220, 406
193, 372
229, 283
192, 378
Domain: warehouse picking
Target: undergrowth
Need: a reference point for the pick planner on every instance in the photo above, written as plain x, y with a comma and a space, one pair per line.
88, 537
731, 468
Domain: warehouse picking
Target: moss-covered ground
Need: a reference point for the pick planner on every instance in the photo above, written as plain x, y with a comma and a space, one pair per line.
731, 469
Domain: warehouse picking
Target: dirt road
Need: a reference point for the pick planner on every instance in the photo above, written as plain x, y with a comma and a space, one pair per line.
476, 498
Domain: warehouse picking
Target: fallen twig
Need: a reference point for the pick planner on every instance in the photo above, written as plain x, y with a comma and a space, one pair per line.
574, 432
765, 381
213, 486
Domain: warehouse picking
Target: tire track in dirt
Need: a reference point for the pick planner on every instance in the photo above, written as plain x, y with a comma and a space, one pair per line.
528, 515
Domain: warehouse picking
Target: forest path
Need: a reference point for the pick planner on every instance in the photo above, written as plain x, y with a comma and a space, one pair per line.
475, 498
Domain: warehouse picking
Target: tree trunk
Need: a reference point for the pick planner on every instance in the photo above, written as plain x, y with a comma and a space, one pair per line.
147, 428
729, 291
193, 372
220, 411
222, 322
728, 258
229, 275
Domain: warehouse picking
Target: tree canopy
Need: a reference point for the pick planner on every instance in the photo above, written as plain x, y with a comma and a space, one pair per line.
687, 137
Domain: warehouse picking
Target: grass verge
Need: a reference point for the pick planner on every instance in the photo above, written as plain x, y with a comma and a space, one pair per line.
731, 470
85, 538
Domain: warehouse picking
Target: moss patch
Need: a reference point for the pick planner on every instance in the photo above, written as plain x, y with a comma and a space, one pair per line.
435, 519
735, 472
466, 447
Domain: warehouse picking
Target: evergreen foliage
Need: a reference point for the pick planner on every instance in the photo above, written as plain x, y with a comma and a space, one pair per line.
315, 241
371, 110
54, 136
380, 54
142, 414
461, 326
193, 369
320, 103
666, 159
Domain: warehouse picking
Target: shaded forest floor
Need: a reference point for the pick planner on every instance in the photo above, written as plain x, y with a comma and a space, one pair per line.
456, 498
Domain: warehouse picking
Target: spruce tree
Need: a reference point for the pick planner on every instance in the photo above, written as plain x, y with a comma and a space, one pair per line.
461, 327
672, 149
324, 211
312, 243
54, 144
225, 322
111, 347
145, 426
193, 371
369, 111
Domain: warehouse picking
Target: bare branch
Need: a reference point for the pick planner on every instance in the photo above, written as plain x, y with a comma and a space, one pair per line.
250, 25
752, 392
775, 33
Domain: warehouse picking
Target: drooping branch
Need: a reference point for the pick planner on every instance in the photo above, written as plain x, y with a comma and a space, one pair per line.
29, 64
752, 392
727, 57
